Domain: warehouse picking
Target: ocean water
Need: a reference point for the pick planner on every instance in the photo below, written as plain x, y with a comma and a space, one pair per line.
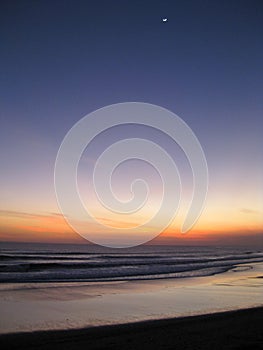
90, 263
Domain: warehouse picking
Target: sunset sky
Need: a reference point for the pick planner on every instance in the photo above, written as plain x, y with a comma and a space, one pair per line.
61, 60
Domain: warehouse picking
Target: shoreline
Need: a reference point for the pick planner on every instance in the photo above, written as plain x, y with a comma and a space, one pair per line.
69, 306
236, 329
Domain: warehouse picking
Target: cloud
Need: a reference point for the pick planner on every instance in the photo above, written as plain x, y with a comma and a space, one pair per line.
249, 211
15, 214
33, 221
24, 215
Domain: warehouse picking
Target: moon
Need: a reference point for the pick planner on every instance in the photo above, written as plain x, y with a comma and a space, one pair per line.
165, 19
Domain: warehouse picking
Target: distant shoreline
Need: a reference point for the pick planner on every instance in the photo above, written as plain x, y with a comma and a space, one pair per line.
238, 329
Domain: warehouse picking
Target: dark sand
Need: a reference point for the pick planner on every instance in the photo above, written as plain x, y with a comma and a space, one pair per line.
241, 329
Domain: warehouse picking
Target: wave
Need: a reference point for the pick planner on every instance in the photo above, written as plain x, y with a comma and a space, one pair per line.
106, 265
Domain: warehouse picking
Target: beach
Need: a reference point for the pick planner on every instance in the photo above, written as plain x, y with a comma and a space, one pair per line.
56, 306
230, 330
222, 310
213, 312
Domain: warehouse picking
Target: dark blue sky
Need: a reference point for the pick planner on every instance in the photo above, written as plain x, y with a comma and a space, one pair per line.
63, 59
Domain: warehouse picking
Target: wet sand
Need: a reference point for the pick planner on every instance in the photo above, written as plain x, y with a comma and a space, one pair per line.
242, 329
224, 311
62, 306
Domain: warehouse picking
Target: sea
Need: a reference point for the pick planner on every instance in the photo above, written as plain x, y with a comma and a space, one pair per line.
22, 263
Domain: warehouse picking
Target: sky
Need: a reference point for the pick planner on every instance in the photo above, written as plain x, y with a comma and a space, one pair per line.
61, 60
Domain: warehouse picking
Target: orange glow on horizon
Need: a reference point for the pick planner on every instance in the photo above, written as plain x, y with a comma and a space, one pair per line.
52, 227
